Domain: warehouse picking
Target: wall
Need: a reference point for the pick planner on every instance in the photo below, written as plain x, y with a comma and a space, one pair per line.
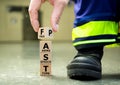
11, 25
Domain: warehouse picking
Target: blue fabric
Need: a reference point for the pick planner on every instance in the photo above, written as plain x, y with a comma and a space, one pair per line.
94, 10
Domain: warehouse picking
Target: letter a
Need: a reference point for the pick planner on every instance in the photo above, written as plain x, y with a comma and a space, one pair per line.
45, 46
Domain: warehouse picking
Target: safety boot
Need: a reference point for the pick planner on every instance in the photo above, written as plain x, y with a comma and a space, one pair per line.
86, 65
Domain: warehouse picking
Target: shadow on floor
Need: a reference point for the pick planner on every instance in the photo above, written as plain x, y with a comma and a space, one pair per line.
111, 76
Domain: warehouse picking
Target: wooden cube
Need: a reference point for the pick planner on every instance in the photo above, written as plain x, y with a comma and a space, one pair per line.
45, 33
45, 57
45, 69
45, 46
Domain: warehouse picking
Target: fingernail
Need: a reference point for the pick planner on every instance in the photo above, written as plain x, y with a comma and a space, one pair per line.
57, 26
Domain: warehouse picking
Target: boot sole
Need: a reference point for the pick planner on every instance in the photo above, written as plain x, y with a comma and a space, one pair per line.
83, 74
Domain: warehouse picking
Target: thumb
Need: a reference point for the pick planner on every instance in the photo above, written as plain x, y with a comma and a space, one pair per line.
59, 6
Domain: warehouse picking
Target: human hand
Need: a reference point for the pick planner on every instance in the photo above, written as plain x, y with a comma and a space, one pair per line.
58, 7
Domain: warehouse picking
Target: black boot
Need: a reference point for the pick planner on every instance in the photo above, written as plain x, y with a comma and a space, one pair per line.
86, 65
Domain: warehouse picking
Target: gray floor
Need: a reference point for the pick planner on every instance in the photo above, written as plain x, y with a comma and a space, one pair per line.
19, 65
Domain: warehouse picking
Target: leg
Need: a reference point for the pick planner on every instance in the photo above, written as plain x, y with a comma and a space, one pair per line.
89, 40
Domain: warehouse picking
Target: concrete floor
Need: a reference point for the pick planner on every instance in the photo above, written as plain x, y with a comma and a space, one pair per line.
19, 65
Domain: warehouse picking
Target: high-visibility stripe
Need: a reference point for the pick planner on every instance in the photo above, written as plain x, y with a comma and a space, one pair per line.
95, 28
94, 41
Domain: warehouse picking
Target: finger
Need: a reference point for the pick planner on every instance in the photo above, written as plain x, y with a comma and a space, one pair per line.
33, 12
59, 6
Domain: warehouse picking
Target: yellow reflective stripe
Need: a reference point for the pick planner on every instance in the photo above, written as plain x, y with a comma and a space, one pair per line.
93, 41
94, 28
113, 45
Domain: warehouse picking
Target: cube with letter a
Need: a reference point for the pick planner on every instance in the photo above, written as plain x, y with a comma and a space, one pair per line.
45, 46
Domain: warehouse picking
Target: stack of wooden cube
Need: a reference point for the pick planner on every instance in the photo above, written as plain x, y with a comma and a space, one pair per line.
45, 35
